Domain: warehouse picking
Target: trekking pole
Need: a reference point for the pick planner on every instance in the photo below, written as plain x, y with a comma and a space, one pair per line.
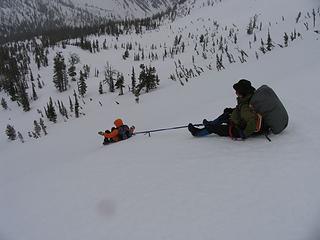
164, 129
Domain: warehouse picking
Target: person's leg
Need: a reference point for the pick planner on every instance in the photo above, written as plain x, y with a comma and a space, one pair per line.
197, 132
106, 141
200, 132
223, 118
221, 130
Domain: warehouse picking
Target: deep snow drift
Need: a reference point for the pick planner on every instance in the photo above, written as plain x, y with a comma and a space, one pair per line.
66, 185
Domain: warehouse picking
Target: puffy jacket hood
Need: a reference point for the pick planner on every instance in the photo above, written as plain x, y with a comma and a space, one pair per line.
118, 122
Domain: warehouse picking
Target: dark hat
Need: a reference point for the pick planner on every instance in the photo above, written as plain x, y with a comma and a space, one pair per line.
243, 87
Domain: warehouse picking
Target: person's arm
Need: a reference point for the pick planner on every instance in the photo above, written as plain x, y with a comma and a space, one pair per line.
250, 117
113, 134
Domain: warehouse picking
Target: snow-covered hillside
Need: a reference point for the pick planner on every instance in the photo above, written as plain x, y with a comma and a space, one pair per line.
128, 8
18, 16
66, 185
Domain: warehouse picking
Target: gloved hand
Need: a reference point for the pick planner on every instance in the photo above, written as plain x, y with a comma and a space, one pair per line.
242, 135
228, 110
101, 133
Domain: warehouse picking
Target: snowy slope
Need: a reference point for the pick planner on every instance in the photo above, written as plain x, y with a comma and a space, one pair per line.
16, 15
172, 186
128, 8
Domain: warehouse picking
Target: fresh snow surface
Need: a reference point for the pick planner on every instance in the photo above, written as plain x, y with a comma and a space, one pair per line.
67, 186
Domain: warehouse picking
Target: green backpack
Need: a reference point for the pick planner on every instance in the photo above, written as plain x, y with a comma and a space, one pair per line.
265, 102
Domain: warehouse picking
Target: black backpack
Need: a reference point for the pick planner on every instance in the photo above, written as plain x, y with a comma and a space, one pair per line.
124, 132
265, 102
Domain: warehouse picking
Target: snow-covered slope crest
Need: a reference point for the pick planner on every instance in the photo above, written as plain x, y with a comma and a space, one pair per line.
66, 185
17, 15
126, 8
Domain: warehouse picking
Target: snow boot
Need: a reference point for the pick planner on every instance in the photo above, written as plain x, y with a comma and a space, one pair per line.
193, 129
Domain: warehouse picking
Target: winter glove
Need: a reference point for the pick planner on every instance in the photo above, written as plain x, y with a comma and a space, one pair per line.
101, 133
228, 110
242, 135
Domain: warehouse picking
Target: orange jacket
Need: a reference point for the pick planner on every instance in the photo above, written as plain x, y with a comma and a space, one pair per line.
114, 134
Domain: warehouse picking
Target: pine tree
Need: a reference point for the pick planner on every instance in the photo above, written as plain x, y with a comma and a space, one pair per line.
51, 112
60, 108
60, 78
11, 132
147, 79
269, 42
133, 81
119, 83
34, 94
82, 86
43, 127
250, 27
109, 72
74, 59
20, 137
86, 71
285, 38
64, 111
39, 84
31, 77
126, 54
76, 105
71, 104
4, 104
23, 97
37, 128
72, 72
100, 88
35, 135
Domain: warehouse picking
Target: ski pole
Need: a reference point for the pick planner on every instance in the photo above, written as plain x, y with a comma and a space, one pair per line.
164, 129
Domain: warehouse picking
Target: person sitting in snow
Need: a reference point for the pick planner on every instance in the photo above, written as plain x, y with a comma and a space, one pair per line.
239, 123
118, 133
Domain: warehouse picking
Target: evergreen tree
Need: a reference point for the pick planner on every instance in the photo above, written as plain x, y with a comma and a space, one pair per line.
60, 108
100, 88
12, 90
286, 38
250, 27
82, 86
104, 45
86, 71
11, 132
39, 84
109, 72
37, 128
126, 54
72, 72
60, 78
148, 79
23, 97
34, 94
31, 77
269, 42
76, 105
74, 59
133, 81
119, 83
43, 127
20, 137
64, 111
51, 112
4, 104
71, 104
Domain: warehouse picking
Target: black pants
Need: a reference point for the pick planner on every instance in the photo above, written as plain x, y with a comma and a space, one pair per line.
219, 126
